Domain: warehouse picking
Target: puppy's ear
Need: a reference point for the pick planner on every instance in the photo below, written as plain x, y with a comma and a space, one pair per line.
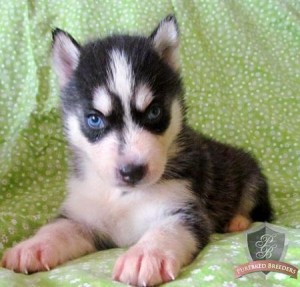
65, 55
165, 39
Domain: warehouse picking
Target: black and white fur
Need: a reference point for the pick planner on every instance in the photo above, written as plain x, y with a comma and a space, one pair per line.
140, 178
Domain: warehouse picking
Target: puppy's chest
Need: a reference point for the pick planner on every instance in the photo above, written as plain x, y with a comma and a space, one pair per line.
126, 216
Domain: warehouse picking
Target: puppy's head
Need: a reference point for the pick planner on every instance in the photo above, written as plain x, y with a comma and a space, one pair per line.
121, 99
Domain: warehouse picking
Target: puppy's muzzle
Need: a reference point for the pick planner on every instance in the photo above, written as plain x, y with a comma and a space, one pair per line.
132, 173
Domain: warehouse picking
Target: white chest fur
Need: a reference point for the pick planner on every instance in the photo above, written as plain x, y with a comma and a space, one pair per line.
123, 214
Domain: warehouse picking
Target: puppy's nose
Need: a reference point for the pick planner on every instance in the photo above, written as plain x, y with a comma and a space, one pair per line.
132, 173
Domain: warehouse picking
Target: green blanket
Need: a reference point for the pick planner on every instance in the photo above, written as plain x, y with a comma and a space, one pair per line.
240, 65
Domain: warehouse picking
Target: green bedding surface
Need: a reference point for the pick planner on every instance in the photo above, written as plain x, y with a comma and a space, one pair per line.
241, 68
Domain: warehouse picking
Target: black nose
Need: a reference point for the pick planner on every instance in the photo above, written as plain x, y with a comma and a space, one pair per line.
132, 173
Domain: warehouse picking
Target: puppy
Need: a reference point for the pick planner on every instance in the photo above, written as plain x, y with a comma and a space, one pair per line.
140, 176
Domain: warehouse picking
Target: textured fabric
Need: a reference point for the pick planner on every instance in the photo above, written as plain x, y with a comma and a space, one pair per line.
240, 65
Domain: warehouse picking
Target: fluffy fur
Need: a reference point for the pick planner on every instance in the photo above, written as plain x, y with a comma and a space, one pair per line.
140, 177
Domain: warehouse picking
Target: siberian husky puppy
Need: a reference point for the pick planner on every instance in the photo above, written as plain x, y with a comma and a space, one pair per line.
140, 176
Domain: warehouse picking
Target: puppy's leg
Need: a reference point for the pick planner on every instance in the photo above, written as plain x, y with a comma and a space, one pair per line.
241, 220
238, 223
53, 244
254, 205
158, 256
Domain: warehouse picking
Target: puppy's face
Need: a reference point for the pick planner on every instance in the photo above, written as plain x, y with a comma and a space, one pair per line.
121, 102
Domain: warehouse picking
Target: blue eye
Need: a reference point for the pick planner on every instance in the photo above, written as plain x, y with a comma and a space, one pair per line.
154, 113
95, 122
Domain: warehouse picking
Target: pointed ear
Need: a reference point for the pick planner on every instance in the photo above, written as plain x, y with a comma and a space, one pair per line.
65, 55
165, 39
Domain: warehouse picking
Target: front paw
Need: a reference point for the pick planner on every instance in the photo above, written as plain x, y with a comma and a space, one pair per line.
32, 255
145, 266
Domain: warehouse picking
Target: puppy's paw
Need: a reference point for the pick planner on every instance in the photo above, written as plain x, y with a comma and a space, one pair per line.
238, 223
32, 255
144, 266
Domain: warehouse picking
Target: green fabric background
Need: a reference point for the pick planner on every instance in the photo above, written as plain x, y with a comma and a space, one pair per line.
241, 69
